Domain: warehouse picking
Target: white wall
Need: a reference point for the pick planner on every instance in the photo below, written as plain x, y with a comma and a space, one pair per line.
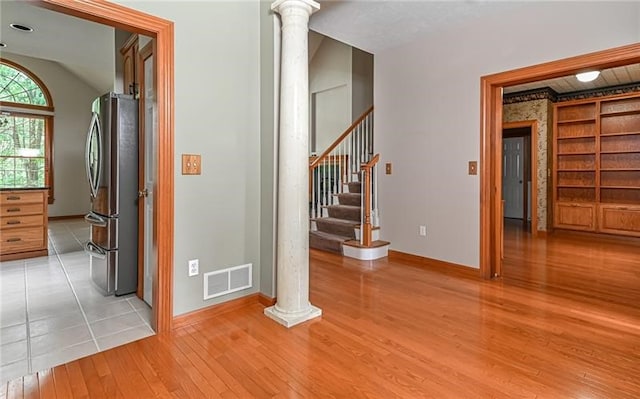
330, 81
269, 25
72, 99
428, 112
217, 115
362, 81
120, 37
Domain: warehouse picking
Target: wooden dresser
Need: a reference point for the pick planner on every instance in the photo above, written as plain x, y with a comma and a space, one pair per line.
23, 224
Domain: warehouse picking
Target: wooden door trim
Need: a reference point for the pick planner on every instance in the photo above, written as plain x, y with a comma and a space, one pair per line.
491, 134
162, 31
533, 126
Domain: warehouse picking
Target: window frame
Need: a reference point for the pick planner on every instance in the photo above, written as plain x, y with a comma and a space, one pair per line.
45, 112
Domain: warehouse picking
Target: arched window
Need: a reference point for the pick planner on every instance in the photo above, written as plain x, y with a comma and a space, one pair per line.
26, 130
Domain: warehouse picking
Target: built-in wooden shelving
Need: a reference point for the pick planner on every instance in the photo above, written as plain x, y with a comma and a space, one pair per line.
596, 168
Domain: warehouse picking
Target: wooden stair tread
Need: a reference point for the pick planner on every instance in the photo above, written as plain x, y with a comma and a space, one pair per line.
329, 236
342, 206
374, 244
345, 222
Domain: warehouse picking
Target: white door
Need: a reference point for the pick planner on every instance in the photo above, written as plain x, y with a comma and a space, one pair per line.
150, 127
513, 177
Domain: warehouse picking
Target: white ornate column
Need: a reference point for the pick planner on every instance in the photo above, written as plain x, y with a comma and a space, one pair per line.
292, 306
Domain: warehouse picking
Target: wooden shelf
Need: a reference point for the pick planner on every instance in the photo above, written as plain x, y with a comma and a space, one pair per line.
580, 120
620, 187
603, 170
620, 152
634, 133
578, 153
578, 137
620, 113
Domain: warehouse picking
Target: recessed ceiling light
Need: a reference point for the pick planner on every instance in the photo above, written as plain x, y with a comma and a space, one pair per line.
588, 76
21, 28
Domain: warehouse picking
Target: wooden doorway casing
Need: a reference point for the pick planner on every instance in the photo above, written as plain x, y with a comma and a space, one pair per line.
491, 136
533, 154
162, 31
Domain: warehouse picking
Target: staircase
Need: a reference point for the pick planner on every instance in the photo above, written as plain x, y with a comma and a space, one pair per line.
330, 232
343, 200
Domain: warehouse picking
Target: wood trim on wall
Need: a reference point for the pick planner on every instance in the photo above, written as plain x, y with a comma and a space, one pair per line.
533, 126
491, 134
433, 264
209, 312
266, 301
162, 31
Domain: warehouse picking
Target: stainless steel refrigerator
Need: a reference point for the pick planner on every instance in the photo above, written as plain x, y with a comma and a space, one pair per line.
112, 169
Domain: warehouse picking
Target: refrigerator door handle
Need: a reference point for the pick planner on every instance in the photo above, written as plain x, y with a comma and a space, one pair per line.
93, 176
94, 250
95, 219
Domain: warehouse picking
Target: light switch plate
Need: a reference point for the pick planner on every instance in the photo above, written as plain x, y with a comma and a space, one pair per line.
473, 167
387, 168
191, 164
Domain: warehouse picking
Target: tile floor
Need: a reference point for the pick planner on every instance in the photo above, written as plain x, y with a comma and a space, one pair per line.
50, 313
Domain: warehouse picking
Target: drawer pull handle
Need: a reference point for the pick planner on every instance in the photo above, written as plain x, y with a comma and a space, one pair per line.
623, 208
13, 198
13, 222
13, 210
14, 239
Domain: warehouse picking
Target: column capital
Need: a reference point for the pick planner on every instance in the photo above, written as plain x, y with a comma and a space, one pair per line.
281, 5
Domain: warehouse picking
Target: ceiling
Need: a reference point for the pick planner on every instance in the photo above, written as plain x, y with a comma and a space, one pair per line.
369, 25
608, 77
84, 48
377, 25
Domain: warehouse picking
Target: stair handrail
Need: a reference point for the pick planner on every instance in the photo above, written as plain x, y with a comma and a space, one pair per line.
339, 164
366, 227
313, 164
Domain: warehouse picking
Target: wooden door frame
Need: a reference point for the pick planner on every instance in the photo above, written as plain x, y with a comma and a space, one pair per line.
162, 31
491, 135
533, 163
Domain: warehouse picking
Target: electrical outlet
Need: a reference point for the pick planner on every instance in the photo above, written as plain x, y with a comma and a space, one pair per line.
193, 267
423, 231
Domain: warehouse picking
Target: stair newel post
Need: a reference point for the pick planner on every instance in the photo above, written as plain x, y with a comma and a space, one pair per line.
367, 195
374, 189
366, 225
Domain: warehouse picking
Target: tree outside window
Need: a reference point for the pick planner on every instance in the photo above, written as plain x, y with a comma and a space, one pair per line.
26, 130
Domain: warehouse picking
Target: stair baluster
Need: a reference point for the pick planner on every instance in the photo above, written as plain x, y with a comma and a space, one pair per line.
343, 191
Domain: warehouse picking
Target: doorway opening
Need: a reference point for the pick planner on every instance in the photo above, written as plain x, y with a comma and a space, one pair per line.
491, 222
162, 236
519, 183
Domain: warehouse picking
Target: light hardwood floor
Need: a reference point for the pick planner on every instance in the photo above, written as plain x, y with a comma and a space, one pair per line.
392, 330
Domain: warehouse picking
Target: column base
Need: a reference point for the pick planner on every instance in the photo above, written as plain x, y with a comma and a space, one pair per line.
290, 320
